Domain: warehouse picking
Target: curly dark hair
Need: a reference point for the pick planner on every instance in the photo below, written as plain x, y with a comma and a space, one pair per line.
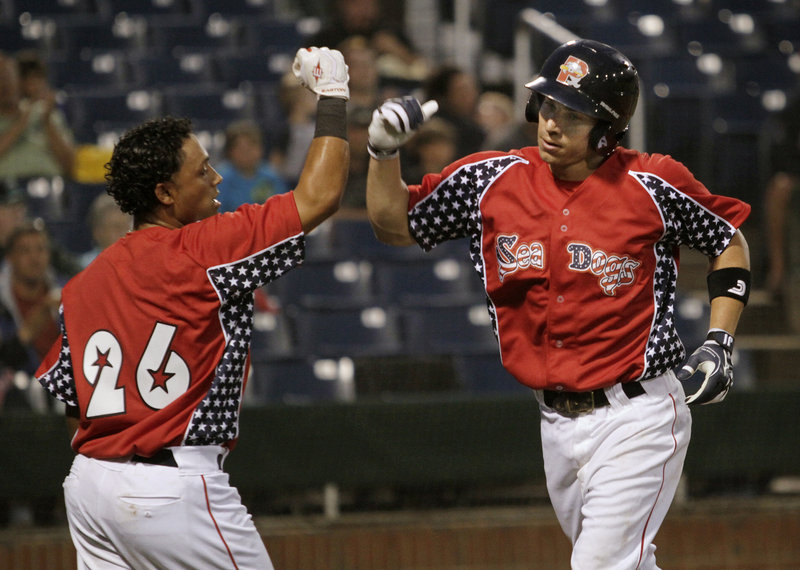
145, 156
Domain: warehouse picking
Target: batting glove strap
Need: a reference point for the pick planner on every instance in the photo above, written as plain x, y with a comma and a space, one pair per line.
322, 71
710, 367
394, 122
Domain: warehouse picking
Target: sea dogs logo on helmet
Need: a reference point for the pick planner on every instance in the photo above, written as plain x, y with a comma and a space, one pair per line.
573, 71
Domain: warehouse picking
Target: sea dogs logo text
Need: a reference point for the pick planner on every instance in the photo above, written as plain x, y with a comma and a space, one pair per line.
512, 256
613, 270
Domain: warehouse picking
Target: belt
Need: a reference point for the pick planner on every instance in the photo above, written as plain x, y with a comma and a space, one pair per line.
163, 457
576, 403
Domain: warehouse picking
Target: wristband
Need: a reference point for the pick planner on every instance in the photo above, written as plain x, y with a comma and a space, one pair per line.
331, 118
722, 338
733, 282
379, 154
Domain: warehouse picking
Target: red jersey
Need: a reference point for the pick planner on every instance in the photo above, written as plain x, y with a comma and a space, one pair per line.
155, 332
580, 277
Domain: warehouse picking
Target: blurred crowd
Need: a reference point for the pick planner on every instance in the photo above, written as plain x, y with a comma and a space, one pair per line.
36, 141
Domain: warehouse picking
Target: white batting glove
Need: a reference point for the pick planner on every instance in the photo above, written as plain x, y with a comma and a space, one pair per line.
394, 122
322, 71
707, 374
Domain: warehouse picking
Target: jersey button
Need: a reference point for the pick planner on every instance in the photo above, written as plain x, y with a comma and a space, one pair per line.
565, 211
559, 343
563, 228
560, 298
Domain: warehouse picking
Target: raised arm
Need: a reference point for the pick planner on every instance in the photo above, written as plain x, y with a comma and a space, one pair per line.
324, 175
387, 195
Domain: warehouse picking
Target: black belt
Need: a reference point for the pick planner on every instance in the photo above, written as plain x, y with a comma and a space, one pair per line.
163, 457
576, 403
166, 458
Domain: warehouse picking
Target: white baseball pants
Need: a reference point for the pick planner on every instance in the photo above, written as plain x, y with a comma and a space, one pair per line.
134, 515
612, 473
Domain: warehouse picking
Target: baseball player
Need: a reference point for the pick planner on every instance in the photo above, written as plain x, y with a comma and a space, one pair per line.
576, 242
153, 351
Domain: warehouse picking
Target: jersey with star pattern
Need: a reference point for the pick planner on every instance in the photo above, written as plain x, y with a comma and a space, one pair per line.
580, 278
155, 333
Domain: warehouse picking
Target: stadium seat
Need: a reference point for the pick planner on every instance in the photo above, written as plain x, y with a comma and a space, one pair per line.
80, 38
426, 279
237, 68
212, 35
248, 8
93, 112
159, 71
89, 71
213, 104
298, 380
60, 10
272, 336
37, 35
448, 328
347, 331
272, 35
327, 282
164, 10
482, 374
354, 236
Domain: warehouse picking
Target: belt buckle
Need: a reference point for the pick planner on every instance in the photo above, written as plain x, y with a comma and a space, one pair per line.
575, 404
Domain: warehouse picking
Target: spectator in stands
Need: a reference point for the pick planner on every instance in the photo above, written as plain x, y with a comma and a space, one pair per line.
289, 151
397, 57
107, 224
781, 207
354, 200
34, 137
433, 147
457, 93
497, 118
30, 290
247, 178
361, 58
13, 212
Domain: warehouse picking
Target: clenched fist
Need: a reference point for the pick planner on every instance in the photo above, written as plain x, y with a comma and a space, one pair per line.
322, 71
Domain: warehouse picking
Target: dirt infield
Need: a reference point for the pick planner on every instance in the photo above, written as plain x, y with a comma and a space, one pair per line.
721, 534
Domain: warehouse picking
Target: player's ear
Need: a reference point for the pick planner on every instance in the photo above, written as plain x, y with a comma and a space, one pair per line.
165, 193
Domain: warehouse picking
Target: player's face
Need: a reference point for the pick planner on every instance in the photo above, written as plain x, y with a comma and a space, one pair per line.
563, 136
195, 185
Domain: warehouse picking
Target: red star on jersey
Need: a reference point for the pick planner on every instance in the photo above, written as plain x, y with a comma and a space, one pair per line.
102, 360
160, 378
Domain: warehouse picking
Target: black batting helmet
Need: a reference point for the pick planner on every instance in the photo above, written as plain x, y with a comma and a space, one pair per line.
594, 79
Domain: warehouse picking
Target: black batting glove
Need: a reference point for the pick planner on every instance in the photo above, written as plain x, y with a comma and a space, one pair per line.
707, 374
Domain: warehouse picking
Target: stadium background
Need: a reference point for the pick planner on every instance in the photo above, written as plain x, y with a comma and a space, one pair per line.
382, 432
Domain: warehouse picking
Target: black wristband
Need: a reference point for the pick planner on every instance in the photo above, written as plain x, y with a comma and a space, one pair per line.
733, 282
331, 118
722, 338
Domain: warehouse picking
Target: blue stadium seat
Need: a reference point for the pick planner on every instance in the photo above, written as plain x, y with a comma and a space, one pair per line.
354, 236
449, 328
483, 374
248, 8
82, 38
759, 72
295, 380
326, 282
237, 68
164, 10
272, 36
89, 71
347, 331
36, 35
273, 336
61, 10
93, 112
213, 104
212, 35
426, 280
167, 70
